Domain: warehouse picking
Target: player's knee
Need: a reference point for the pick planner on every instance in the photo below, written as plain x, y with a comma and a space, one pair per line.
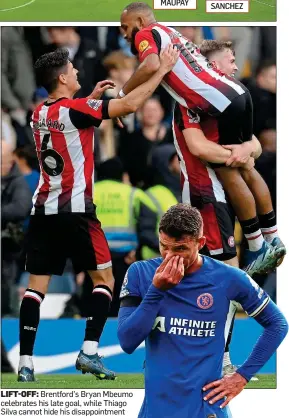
39, 283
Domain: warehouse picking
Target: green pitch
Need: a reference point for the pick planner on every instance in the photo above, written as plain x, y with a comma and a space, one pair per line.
123, 381
110, 10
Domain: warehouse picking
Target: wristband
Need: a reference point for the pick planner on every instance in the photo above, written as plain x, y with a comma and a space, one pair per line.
121, 93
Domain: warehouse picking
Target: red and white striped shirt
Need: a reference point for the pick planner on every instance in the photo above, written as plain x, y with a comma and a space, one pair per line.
199, 182
64, 138
193, 82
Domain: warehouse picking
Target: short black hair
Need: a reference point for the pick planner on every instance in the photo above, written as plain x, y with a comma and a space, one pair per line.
138, 6
111, 169
28, 153
49, 66
181, 219
265, 65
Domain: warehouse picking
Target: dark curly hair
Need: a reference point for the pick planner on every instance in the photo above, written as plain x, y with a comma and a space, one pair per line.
49, 66
181, 219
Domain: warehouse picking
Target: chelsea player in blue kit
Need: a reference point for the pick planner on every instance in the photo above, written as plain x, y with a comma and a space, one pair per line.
178, 304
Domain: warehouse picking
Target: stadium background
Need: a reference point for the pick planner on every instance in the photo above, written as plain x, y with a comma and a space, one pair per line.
101, 53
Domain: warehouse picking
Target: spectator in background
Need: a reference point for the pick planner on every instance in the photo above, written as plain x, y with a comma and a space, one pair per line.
165, 165
128, 218
27, 163
17, 78
15, 207
84, 55
120, 68
141, 142
7, 131
263, 92
165, 190
193, 33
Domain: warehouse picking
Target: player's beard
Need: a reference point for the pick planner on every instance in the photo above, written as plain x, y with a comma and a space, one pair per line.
133, 49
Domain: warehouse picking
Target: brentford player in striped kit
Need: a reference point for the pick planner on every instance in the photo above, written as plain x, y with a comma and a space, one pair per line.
63, 222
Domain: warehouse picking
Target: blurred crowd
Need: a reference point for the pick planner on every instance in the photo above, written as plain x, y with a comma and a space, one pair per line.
137, 169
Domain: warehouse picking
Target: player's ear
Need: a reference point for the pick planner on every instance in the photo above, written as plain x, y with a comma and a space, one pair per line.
62, 78
202, 242
140, 22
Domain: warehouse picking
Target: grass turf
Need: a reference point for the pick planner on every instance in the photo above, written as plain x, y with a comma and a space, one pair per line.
123, 381
110, 10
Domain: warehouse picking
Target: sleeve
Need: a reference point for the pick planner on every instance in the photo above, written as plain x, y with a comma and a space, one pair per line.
243, 289
88, 112
147, 42
275, 329
186, 118
130, 285
136, 323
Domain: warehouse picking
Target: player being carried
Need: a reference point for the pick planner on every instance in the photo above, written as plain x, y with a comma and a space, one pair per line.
201, 88
63, 222
197, 130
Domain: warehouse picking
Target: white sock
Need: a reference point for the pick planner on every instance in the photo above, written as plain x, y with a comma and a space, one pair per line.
226, 359
255, 240
89, 347
270, 233
26, 361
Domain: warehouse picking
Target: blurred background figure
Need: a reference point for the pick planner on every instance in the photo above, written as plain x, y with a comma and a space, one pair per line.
17, 79
83, 53
151, 132
128, 218
15, 207
165, 189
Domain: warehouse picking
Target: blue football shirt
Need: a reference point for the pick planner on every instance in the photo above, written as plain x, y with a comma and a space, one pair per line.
184, 350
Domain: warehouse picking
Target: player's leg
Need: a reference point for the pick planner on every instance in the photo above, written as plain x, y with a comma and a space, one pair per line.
90, 252
235, 126
43, 258
218, 221
28, 324
266, 213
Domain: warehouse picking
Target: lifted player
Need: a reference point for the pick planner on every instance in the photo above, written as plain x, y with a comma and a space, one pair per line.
195, 130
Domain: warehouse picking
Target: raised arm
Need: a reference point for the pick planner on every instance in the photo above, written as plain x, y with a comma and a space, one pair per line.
131, 102
148, 47
136, 317
143, 73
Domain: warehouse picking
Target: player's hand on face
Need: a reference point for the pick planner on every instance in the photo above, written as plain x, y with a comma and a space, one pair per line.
169, 273
240, 154
100, 88
168, 57
228, 386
